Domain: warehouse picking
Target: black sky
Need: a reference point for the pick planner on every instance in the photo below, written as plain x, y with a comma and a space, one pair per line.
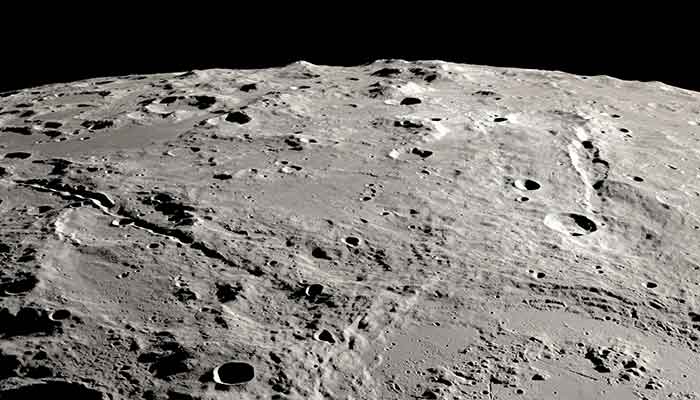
65, 50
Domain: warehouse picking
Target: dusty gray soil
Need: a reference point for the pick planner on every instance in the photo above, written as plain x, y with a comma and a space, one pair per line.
389, 231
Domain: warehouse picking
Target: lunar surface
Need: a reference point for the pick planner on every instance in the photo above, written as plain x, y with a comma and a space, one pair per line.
396, 230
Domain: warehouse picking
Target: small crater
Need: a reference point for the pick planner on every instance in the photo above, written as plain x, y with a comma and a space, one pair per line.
500, 119
570, 223
421, 153
313, 290
352, 241
233, 373
638, 179
319, 253
652, 285
21, 283
249, 87
409, 101
238, 117
60, 315
526, 184
538, 377
223, 177
326, 336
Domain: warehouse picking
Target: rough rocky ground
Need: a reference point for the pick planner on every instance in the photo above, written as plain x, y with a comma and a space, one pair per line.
397, 230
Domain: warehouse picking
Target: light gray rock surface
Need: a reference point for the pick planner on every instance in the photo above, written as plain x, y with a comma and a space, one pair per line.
388, 231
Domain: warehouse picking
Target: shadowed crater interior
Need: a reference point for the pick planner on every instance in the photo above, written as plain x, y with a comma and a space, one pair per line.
234, 373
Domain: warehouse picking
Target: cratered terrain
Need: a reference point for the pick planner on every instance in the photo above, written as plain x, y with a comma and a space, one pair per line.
396, 230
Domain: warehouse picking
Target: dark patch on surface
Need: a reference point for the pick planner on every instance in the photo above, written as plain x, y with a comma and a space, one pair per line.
313, 290
22, 282
167, 359
226, 292
421, 153
169, 99
53, 389
409, 101
249, 87
52, 133
234, 373
500, 119
326, 336
485, 93
529, 184
168, 205
238, 117
223, 177
28, 321
9, 364
22, 130
21, 155
386, 72
600, 161
97, 124
184, 295
294, 143
408, 124
352, 241
320, 253
79, 190
203, 102
583, 222
60, 314
8, 94
60, 166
